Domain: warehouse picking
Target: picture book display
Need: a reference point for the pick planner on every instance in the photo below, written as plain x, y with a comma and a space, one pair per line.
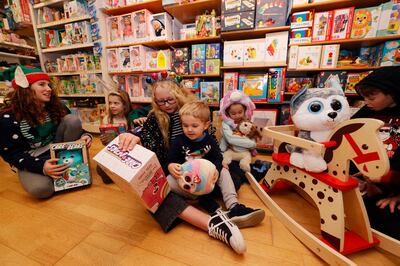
353, 79
365, 22
230, 82
322, 26
210, 91
391, 53
329, 57
308, 57
75, 155
137, 172
255, 86
342, 21
276, 48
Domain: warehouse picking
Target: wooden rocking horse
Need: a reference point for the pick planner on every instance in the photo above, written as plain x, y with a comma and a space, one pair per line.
344, 222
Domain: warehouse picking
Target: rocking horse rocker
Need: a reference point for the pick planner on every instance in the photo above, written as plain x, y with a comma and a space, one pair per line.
344, 222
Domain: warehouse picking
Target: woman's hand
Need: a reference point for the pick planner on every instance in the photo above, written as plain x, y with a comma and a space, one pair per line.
127, 141
106, 138
139, 121
54, 170
175, 170
87, 139
392, 202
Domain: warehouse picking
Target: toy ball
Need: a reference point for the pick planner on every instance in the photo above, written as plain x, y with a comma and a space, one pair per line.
164, 74
172, 75
179, 79
198, 177
148, 80
154, 76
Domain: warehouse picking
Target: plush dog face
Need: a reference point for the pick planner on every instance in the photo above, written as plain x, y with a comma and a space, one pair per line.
319, 109
248, 129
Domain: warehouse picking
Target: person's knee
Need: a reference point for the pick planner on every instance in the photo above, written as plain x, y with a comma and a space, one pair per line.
42, 192
72, 122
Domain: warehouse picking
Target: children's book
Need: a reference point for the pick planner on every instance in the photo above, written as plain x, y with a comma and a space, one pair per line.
233, 53
255, 86
309, 57
353, 79
365, 22
230, 82
254, 52
322, 26
293, 85
276, 46
326, 75
75, 155
342, 21
210, 92
391, 53
329, 57
302, 19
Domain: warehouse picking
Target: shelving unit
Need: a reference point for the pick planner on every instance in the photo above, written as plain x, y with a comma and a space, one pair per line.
76, 73
250, 34
252, 67
155, 6
68, 47
154, 44
349, 68
186, 13
61, 22
330, 5
17, 56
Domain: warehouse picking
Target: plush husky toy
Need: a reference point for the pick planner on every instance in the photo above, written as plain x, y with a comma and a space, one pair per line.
315, 112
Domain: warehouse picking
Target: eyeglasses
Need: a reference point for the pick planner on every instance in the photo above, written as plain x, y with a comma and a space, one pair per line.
163, 102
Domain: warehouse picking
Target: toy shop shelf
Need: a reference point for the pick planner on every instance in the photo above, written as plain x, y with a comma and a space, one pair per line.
349, 68
188, 42
136, 72
186, 13
267, 103
252, 67
335, 4
354, 43
11, 45
62, 22
68, 47
136, 100
75, 73
80, 95
49, 3
158, 44
200, 75
250, 34
17, 56
155, 6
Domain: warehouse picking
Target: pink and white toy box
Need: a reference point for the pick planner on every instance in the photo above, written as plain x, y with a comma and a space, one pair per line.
138, 57
141, 25
137, 172
113, 30
160, 26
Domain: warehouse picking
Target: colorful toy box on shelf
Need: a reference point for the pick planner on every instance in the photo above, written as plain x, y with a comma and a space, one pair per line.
124, 59
113, 30
113, 59
134, 86
325, 76
127, 34
329, 56
210, 91
308, 57
293, 85
271, 13
180, 58
276, 77
197, 66
302, 35
365, 22
237, 15
137, 172
254, 52
353, 79
255, 86
138, 57
75, 155
233, 53
160, 26
389, 23
234, 6
302, 19
206, 25
141, 25
158, 60
193, 85
230, 82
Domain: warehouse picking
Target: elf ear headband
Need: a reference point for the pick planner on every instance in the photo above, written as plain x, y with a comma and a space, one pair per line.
163, 75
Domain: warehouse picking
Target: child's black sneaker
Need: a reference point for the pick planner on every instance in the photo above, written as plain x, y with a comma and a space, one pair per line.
220, 227
244, 216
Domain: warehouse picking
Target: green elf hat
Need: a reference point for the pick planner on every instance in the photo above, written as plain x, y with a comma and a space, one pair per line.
23, 76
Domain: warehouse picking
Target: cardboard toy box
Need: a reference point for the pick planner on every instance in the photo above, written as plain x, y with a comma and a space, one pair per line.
75, 155
237, 21
137, 173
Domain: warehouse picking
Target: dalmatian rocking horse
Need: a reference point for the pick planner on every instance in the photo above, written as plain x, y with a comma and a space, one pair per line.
344, 222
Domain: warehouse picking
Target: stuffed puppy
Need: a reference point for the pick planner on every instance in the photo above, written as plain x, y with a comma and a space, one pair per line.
315, 112
248, 130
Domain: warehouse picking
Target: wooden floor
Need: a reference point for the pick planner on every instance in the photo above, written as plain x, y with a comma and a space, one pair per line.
102, 226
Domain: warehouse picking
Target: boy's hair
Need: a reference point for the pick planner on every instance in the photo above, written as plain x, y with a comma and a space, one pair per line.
384, 79
126, 102
198, 110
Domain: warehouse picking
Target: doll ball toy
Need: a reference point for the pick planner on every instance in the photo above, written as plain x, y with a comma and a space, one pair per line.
198, 177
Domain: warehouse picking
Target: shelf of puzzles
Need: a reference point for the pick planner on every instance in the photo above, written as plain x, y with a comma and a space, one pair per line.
16, 39
68, 38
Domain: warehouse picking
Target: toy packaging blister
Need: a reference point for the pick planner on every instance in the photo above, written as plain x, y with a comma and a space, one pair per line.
137, 172
75, 155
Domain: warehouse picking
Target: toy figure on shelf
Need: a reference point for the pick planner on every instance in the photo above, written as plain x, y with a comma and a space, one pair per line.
127, 31
114, 29
205, 25
141, 25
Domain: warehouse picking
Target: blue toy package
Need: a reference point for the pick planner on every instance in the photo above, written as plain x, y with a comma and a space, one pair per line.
74, 154
210, 91
391, 53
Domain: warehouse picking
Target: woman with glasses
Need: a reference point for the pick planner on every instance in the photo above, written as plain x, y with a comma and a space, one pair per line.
162, 126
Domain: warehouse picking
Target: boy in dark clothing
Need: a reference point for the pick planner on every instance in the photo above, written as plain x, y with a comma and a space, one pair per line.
381, 93
197, 143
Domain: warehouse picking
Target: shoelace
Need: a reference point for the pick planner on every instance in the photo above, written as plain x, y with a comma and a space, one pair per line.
217, 232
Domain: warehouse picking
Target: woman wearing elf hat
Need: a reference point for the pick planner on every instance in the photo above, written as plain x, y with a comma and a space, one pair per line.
34, 118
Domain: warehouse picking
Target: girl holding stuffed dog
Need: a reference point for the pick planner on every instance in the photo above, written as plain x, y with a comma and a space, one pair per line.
34, 119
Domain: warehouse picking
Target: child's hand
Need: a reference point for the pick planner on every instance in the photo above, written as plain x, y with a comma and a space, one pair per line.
54, 170
140, 121
87, 138
392, 202
175, 170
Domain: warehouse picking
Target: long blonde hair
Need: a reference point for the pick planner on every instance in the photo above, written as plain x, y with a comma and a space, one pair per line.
181, 96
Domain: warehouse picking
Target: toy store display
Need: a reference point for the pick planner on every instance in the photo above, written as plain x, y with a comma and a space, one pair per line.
329, 56
210, 91
308, 57
322, 26
275, 48
207, 25
83, 84
74, 154
293, 85
69, 9
237, 15
230, 82
137, 172
73, 63
17, 11
271, 13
